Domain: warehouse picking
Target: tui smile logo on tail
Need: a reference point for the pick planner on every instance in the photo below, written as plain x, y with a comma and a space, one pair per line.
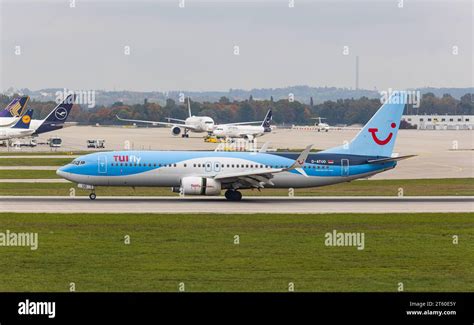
383, 142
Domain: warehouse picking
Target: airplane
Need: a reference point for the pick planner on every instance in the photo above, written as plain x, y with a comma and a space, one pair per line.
320, 125
15, 109
210, 172
54, 121
248, 132
193, 123
20, 129
197, 124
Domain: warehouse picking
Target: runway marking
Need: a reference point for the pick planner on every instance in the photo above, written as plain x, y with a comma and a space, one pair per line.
219, 205
35, 180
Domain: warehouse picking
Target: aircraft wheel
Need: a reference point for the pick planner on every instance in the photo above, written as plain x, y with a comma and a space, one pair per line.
237, 196
233, 195
92, 196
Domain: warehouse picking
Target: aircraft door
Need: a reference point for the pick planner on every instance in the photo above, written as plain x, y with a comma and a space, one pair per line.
102, 164
344, 167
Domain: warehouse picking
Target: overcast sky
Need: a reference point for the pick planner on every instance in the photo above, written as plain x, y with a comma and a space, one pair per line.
192, 48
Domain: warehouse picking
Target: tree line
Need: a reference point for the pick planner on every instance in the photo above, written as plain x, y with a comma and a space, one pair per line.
343, 111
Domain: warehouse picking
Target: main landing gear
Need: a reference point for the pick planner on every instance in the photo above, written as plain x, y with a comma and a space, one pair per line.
233, 195
185, 134
92, 196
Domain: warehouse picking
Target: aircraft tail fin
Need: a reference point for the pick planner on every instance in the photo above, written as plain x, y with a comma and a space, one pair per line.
56, 118
267, 120
24, 121
377, 137
189, 107
16, 107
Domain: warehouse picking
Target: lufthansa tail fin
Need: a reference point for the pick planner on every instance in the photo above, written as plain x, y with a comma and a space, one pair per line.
377, 137
56, 118
24, 121
267, 120
16, 107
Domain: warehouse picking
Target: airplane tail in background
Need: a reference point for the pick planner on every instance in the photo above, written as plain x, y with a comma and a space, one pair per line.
377, 137
15, 108
267, 120
56, 118
24, 121
189, 107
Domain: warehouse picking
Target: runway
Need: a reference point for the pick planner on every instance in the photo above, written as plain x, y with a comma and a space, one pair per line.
220, 205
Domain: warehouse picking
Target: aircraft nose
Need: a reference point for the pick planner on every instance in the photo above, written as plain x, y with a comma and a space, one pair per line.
60, 172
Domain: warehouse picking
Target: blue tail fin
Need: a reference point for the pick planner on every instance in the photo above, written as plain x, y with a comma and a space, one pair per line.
377, 137
15, 108
267, 120
24, 121
56, 118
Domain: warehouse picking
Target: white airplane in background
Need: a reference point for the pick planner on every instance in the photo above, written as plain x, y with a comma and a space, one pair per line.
320, 125
248, 132
197, 124
20, 129
193, 123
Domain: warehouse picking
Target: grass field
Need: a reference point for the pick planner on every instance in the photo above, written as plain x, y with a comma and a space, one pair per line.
45, 153
25, 174
411, 187
199, 250
35, 161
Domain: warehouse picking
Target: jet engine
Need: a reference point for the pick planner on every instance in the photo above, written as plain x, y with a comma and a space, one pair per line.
175, 130
199, 186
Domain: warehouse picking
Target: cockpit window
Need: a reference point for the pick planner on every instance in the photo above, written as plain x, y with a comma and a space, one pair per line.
78, 162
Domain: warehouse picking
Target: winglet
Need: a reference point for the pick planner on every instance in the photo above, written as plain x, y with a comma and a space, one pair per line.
299, 162
264, 147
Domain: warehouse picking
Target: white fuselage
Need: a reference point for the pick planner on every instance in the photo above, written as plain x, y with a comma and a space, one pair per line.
239, 131
199, 123
5, 122
9, 133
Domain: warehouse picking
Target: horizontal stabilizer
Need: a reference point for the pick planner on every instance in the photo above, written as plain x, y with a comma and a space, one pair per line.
384, 160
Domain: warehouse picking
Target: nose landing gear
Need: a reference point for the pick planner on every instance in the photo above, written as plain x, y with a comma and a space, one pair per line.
233, 195
92, 196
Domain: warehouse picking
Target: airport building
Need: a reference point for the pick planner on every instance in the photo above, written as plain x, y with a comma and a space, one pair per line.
440, 122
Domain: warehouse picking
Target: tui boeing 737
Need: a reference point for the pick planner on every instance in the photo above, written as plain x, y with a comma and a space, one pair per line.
210, 172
